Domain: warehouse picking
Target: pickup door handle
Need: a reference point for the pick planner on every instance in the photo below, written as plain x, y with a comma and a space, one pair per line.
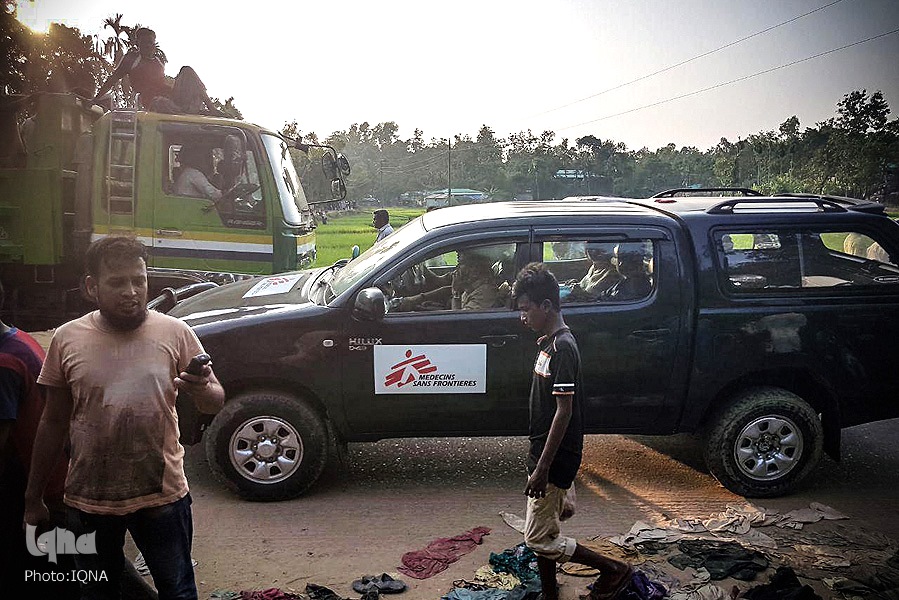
651, 334
169, 232
498, 341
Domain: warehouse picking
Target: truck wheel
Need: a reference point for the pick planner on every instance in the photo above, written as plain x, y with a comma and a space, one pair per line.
764, 442
267, 446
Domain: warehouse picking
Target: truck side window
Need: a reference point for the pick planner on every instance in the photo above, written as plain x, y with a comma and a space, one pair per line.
467, 278
601, 271
786, 261
216, 166
235, 165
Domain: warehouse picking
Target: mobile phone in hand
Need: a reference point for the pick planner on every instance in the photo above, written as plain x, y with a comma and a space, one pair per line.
197, 363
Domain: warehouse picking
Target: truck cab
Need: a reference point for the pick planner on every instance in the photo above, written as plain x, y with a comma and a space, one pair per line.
250, 216
213, 199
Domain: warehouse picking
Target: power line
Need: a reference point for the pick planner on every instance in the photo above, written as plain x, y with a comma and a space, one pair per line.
420, 164
732, 81
689, 60
423, 163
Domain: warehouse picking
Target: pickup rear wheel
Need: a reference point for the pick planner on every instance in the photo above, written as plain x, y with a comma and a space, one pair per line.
267, 446
764, 442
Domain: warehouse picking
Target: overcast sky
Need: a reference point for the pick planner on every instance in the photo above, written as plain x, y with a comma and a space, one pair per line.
448, 68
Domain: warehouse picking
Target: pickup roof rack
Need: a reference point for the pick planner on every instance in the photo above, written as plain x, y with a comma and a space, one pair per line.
818, 203
687, 191
866, 206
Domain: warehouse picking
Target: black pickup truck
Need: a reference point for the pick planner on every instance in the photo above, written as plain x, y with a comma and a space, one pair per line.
765, 324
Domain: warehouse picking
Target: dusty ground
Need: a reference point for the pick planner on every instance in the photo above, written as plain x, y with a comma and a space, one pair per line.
398, 495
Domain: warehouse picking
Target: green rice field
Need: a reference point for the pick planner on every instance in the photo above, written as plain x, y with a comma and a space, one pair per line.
335, 240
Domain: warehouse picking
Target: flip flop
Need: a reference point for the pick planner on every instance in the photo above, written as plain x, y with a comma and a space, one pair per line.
384, 583
619, 587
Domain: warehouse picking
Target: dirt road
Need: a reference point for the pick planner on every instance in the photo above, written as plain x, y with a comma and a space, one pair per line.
396, 496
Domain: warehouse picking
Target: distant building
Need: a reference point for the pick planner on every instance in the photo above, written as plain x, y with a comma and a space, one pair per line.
584, 182
440, 198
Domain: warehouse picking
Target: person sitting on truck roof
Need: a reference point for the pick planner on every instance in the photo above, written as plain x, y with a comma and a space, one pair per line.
146, 73
192, 180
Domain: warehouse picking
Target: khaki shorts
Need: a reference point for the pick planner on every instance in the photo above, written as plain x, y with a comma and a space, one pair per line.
542, 532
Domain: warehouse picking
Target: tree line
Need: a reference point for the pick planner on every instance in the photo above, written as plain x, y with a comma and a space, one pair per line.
854, 153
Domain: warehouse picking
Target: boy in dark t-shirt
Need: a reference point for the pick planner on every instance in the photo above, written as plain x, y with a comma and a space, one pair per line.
556, 437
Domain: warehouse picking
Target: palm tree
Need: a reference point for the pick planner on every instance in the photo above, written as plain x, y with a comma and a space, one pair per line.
115, 47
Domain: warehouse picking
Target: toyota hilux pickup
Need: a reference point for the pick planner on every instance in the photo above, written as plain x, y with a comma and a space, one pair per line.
764, 324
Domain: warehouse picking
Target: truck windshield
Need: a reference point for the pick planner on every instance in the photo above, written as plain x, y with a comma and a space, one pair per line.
293, 198
390, 249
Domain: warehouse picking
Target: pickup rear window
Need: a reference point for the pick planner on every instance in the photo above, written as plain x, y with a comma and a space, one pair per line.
774, 261
601, 271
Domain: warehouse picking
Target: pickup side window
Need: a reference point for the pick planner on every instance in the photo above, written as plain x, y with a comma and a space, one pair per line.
464, 278
214, 166
591, 271
801, 260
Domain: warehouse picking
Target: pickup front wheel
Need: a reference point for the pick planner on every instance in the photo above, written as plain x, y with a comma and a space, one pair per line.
267, 446
764, 442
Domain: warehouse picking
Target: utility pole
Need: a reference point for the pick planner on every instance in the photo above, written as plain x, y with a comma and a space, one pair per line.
449, 172
381, 173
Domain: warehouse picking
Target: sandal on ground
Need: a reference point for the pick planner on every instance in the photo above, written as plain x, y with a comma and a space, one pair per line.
384, 583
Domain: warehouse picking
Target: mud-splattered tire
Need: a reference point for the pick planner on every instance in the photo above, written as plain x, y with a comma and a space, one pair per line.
763, 442
267, 446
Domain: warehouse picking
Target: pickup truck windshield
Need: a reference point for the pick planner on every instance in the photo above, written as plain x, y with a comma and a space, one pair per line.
389, 249
290, 192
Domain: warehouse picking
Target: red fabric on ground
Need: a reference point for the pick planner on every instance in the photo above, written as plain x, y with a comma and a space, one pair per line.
439, 554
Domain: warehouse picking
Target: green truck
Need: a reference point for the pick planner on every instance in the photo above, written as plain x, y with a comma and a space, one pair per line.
78, 173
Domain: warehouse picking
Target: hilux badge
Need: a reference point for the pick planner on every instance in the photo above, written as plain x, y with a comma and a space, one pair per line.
363, 343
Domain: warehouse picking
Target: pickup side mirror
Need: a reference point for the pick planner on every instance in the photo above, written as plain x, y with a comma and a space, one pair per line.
370, 305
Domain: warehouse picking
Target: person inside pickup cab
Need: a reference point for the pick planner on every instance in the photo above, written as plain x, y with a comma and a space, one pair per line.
601, 275
470, 286
634, 282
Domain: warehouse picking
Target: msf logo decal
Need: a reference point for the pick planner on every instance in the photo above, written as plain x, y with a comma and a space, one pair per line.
430, 369
58, 541
420, 364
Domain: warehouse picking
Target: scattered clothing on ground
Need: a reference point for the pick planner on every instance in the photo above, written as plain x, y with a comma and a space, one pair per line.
722, 559
699, 588
784, 585
521, 592
485, 575
513, 521
439, 554
519, 561
269, 594
642, 588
